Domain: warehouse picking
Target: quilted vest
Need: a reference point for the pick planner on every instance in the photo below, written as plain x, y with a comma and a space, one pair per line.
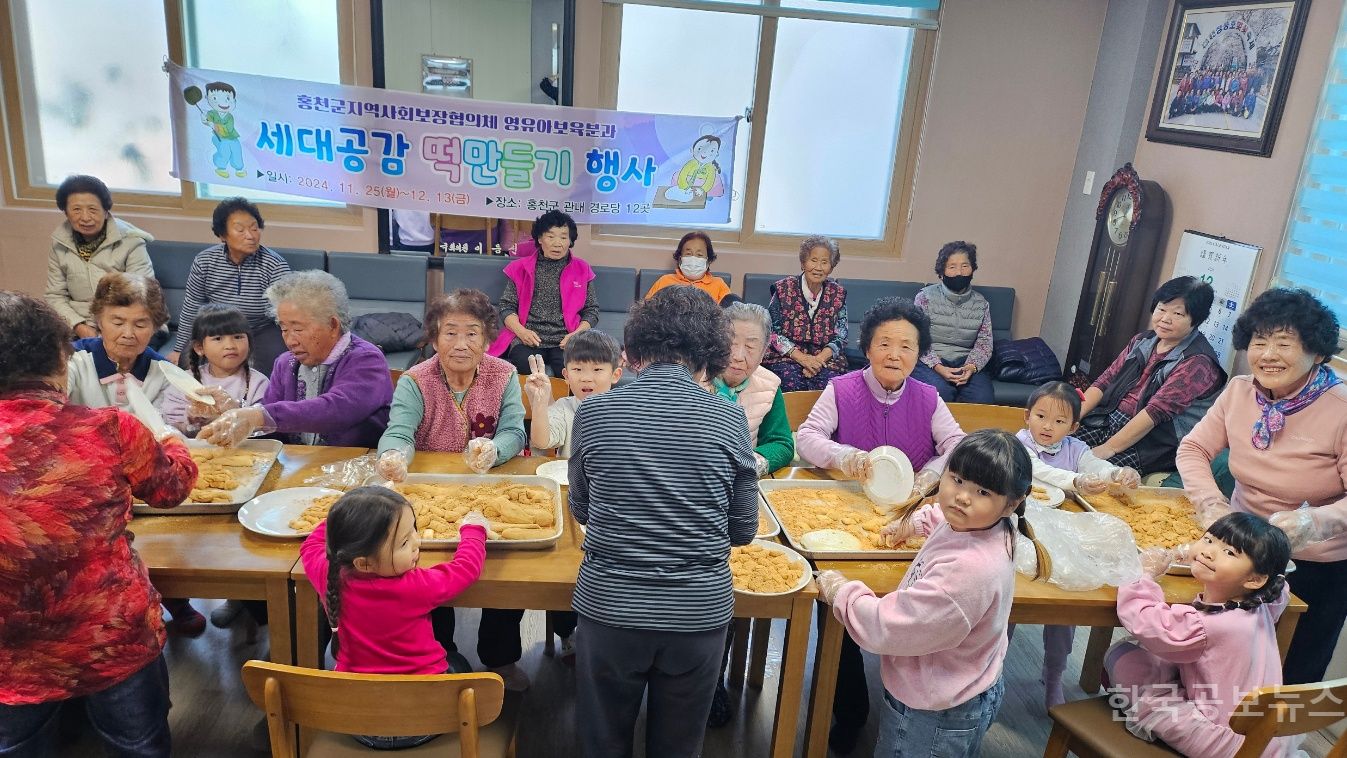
444, 428
955, 319
866, 422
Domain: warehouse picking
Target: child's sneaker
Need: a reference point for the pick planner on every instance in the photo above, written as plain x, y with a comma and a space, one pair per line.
515, 678
224, 616
568, 650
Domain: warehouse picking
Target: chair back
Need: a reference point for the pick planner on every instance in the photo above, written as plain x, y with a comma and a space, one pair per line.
395, 374
560, 389
798, 406
1288, 710
373, 704
975, 416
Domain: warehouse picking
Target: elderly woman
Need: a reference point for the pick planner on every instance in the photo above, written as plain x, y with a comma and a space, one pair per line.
87, 245
127, 309
654, 593
882, 404
961, 328
809, 320
1286, 429
462, 400
1159, 387
755, 389
81, 619
331, 388
549, 296
692, 268
235, 272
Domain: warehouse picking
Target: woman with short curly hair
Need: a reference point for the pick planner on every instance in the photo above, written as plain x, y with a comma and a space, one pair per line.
662, 474
1286, 428
128, 309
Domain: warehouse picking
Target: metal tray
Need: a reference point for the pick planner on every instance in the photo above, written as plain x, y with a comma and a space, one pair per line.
245, 492
769, 485
541, 543
1168, 493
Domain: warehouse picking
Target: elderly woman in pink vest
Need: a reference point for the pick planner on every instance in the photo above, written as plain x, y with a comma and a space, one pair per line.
548, 296
961, 328
462, 400
860, 411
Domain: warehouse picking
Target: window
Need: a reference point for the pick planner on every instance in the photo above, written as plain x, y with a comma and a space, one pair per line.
828, 143
1314, 247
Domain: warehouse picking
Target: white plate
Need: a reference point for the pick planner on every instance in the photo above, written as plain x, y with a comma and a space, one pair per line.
806, 573
1055, 495
185, 383
556, 471
271, 514
891, 476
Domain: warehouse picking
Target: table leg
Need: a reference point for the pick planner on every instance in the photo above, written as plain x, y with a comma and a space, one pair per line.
1092, 667
307, 653
827, 654
279, 610
738, 652
791, 686
1286, 628
757, 652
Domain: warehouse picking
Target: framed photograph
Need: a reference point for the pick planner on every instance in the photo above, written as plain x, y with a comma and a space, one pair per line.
1226, 69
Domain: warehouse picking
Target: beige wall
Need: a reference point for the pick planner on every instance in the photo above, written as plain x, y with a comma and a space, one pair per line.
493, 33
1243, 197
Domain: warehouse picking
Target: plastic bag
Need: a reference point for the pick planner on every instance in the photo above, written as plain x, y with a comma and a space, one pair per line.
1088, 550
344, 475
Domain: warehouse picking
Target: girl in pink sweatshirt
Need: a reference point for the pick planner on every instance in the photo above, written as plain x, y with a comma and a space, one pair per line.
1188, 666
363, 561
942, 634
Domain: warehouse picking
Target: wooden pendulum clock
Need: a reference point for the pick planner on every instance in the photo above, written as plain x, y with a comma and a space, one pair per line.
1124, 260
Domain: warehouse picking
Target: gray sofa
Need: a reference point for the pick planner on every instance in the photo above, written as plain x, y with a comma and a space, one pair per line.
383, 284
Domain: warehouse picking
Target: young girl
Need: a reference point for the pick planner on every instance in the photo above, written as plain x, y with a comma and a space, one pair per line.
942, 633
363, 561
219, 360
1052, 414
1190, 664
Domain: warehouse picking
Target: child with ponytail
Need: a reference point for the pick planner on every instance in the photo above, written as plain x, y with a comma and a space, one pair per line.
1187, 666
942, 634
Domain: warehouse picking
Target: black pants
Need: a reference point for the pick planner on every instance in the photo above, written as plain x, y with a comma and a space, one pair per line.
1323, 587
851, 699
498, 642
519, 354
563, 622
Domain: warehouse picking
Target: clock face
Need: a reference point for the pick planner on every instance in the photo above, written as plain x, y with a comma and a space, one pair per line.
1119, 219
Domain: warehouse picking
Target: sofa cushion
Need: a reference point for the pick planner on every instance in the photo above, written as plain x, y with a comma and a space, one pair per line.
303, 260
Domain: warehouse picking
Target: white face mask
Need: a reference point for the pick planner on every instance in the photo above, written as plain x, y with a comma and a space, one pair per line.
692, 268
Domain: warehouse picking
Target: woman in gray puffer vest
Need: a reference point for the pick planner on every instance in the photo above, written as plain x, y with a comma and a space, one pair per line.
961, 329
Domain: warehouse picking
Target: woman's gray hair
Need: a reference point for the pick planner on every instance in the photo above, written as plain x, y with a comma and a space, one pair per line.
318, 293
825, 242
752, 313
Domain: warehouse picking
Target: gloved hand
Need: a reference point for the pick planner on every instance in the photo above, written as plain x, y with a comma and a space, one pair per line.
1126, 477
1155, 561
828, 584
897, 532
923, 484
1183, 553
232, 427
480, 454
761, 464
392, 465
1300, 526
1090, 484
474, 518
855, 464
1210, 509
202, 412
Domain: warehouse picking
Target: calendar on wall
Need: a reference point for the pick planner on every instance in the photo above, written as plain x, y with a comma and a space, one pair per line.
1228, 267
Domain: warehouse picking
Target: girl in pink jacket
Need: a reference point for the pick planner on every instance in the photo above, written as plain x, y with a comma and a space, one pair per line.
1188, 666
942, 634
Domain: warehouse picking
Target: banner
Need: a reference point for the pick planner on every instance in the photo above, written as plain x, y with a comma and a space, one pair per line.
388, 149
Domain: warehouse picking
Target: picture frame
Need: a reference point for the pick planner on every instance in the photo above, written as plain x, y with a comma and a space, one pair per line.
1226, 69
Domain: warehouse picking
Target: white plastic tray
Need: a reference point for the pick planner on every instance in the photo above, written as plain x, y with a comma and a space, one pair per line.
245, 491
270, 514
806, 571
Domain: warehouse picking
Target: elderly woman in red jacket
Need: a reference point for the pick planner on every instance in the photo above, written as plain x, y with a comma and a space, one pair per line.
79, 616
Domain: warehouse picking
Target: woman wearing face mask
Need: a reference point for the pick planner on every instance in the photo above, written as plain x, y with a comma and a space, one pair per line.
693, 259
961, 329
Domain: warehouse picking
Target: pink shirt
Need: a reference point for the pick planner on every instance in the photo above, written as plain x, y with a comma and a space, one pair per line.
942, 633
385, 620
1307, 461
245, 387
814, 440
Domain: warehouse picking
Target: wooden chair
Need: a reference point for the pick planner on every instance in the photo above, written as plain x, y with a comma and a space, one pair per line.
560, 389
975, 416
798, 405
340, 704
442, 221
395, 374
1092, 729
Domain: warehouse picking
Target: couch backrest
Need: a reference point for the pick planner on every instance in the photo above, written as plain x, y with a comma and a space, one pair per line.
172, 261
1002, 302
616, 290
479, 272
758, 287
651, 275
301, 259
381, 283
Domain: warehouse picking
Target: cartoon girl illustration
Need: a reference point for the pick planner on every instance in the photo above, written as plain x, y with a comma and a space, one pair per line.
698, 177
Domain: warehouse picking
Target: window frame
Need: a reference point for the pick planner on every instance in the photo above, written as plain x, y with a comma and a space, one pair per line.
905, 155
21, 192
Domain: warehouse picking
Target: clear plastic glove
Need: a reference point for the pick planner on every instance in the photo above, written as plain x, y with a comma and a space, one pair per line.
343, 475
1183, 553
1090, 484
475, 518
855, 464
392, 465
923, 483
897, 532
1300, 526
1155, 561
1211, 509
829, 582
232, 427
480, 454
1126, 477
761, 463
202, 412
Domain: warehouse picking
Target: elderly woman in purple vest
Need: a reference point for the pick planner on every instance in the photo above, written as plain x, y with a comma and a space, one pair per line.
860, 411
961, 328
809, 321
462, 400
548, 296
330, 387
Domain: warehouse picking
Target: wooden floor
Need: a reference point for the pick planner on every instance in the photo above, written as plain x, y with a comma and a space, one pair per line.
212, 715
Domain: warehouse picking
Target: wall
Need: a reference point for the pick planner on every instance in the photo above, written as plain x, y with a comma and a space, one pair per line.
493, 33
544, 14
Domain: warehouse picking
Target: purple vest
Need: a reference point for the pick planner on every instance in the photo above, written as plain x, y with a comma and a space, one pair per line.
1066, 458
866, 423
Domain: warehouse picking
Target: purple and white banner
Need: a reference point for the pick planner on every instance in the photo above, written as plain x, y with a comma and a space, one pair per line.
387, 149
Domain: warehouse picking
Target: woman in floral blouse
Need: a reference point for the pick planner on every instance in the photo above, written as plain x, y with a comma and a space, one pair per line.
809, 321
79, 616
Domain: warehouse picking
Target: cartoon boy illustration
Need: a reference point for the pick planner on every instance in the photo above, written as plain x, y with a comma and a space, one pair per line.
228, 149
697, 177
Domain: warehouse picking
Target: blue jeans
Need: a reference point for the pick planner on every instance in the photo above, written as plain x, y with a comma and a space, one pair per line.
978, 388
131, 717
952, 733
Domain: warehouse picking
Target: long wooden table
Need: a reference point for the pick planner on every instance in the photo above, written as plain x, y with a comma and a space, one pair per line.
545, 580
214, 556
1034, 603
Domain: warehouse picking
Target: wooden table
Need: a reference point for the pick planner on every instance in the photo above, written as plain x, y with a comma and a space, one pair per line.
545, 579
214, 556
1034, 603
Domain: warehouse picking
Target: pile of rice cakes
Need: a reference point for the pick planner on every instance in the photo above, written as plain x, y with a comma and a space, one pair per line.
516, 511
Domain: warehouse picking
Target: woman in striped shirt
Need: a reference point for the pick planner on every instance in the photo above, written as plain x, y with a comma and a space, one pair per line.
654, 594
